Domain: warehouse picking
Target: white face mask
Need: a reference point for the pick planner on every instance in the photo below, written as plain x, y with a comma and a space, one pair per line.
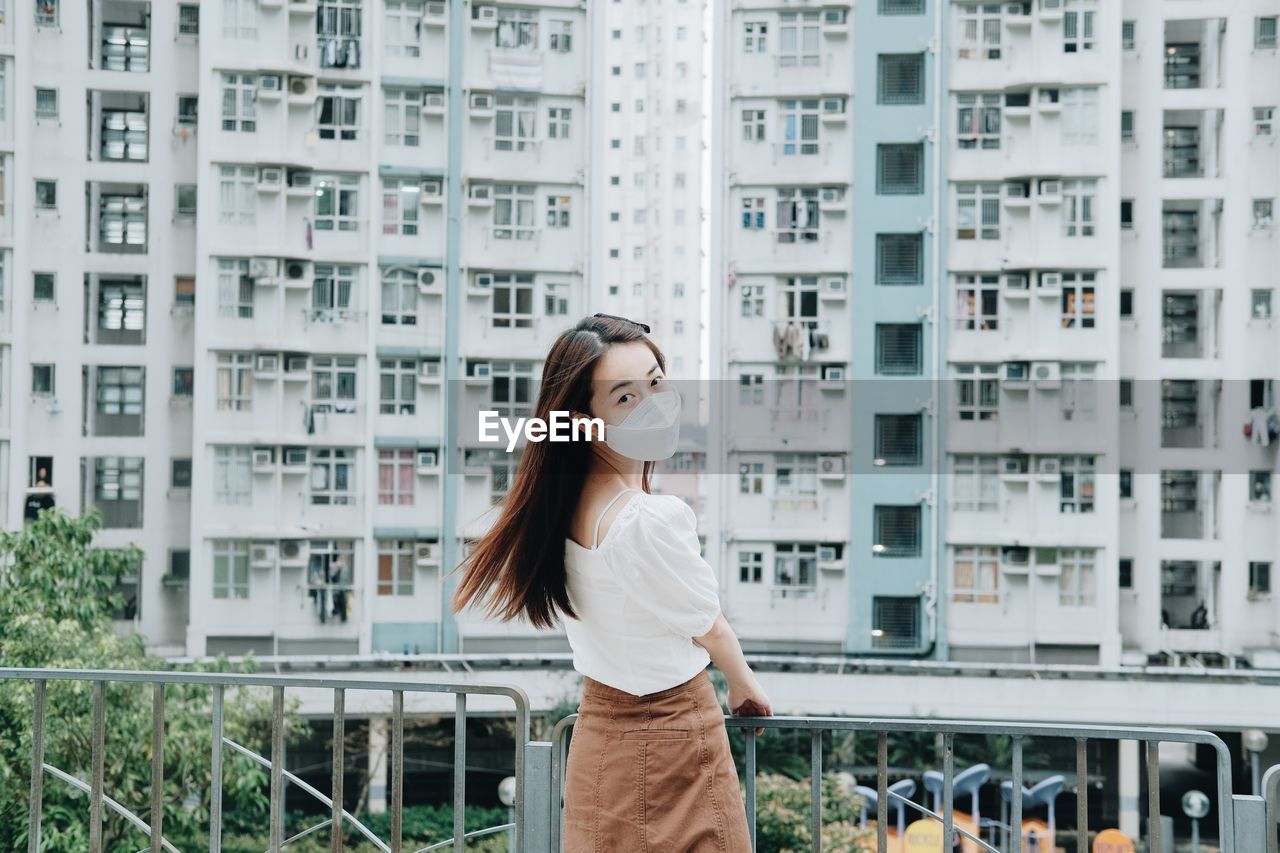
650, 432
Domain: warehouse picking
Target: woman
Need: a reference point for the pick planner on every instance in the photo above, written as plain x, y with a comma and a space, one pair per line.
581, 537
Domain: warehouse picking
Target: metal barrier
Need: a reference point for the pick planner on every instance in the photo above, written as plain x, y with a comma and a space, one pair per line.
1246, 824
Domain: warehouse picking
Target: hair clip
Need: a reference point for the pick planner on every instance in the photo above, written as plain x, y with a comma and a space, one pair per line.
644, 326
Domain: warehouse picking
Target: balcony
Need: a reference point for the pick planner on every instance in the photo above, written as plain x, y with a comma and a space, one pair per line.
1188, 414
1191, 230
1188, 501
125, 38
121, 130
1193, 51
121, 213
1189, 323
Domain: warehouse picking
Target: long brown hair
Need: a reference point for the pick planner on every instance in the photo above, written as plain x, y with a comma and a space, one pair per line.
517, 568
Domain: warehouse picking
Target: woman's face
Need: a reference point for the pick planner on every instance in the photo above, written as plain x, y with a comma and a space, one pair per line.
624, 375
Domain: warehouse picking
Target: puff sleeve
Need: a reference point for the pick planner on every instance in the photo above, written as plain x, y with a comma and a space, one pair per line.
656, 560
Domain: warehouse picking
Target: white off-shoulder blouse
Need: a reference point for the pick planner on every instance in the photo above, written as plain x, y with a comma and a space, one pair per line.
641, 595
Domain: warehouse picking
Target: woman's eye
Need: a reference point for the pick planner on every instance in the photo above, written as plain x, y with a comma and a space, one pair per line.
624, 399
657, 380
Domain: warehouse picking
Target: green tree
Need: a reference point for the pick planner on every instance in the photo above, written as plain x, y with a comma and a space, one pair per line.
57, 599
782, 819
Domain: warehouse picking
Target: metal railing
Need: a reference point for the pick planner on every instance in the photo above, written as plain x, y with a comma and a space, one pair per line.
1246, 824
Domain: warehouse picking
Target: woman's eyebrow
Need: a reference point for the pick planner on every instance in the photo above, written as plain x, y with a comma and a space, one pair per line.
626, 382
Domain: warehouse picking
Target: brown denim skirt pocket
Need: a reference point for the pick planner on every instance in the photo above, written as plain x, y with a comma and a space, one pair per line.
652, 773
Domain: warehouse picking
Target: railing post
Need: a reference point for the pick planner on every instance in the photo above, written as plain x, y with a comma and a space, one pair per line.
98, 766
157, 767
37, 767
539, 809
277, 769
460, 772
815, 789
1249, 817
337, 827
215, 774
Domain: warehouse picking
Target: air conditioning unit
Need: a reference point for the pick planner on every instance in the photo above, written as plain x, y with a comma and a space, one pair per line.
297, 364
270, 177
426, 280
481, 370
833, 106
832, 195
833, 17
483, 280
295, 457
434, 11
1016, 189
486, 14
264, 268
1013, 281
267, 363
1050, 281
293, 552
833, 373
428, 459
831, 465
1016, 555
296, 270
480, 193
264, 458
833, 285
1050, 188
827, 554
429, 369
431, 190
1014, 371
269, 83
481, 102
1017, 10
262, 556
1049, 466
1013, 464
433, 101
1046, 374
425, 554
300, 178
302, 87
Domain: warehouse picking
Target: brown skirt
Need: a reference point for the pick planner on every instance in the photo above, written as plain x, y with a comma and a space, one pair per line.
652, 773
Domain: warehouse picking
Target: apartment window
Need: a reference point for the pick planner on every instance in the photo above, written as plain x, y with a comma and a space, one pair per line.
1076, 581
44, 287
1260, 486
1076, 484
1126, 303
42, 380
402, 28
402, 117
1127, 41
751, 389
1262, 209
122, 309
897, 531
1126, 214
899, 259
515, 123
333, 475
120, 394
975, 485
1126, 126
396, 476
513, 301
640, 70
753, 214
751, 298
230, 569
47, 104
1077, 207
232, 475
795, 564
339, 112
751, 478
558, 119
333, 290
1260, 304
337, 203
975, 574
46, 195
977, 392
117, 490
556, 299
1264, 33
800, 298
1259, 574
188, 110
977, 211
400, 197
978, 121
558, 211
797, 212
235, 288
333, 384
1126, 484
977, 302
184, 203
238, 194
234, 381
899, 349
399, 297
1080, 116
1263, 120
899, 440
750, 566
1126, 395
511, 392
1079, 391
901, 7
900, 169
1078, 300
47, 13
239, 102
979, 31
240, 19
513, 216
799, 40
755, 36
397, 386
900, 78
395, 567
799, 127
895, 622
502, 473
1077, 25
561, 36
179, 473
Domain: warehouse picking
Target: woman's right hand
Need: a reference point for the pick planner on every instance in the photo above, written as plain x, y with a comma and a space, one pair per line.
749, 700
